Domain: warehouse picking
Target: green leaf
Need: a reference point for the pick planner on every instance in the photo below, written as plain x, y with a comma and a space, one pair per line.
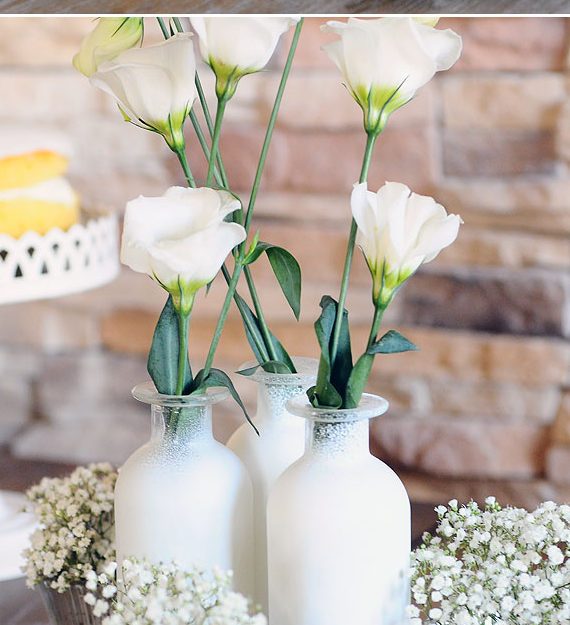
275, 366
217, 378
255, 251
358, 379
288, 274
255, 337
331, 379
163, 356
392, 343
286, 270
271, 366
249, 371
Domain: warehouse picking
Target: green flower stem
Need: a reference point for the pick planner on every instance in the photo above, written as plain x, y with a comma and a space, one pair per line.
165, 32
208, 118
245, 317
260, 316
376, 321
204, 145
249, 213
222, 102
183, 320
181, 154
370, 142
271, 125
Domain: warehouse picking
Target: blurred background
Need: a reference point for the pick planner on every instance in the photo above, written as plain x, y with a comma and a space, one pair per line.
483, 408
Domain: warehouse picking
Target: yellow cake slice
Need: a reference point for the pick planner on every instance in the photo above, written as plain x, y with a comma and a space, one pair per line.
29, 169
40, 207
31, 155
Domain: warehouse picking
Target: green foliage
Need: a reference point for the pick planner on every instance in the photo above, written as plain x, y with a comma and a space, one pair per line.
271, 366
332, 378
392, 343
286, 270
217, 378
163, 356
340, 384
255, 338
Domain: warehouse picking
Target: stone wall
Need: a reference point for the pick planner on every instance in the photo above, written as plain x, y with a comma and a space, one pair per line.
484, 406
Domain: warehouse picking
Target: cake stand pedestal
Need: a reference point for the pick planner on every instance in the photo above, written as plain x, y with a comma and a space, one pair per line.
45, 266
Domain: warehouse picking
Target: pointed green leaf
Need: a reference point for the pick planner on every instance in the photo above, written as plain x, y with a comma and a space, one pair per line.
274, 366
391, 343
331, 380
217, 378
288, 274
249, 371
358, 379
163, 356
255, 337
271, 366
255, 251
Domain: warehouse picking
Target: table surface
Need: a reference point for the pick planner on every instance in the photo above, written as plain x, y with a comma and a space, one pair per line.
22, 606
284, 6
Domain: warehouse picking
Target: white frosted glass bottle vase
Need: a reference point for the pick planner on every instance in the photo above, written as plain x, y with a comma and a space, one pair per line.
281, 442
338, 523
183, 496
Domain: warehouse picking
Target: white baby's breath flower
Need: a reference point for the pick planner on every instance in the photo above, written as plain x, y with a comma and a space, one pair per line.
75, 534
149, 594
493, 566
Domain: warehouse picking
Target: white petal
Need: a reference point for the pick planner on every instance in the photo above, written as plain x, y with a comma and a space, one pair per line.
180, 213
152, 82
444, 46
392, 200
244, 42
436, 235
198, 257
390, 52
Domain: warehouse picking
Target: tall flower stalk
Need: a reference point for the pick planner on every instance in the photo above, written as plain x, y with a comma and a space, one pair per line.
269, 352
383, 62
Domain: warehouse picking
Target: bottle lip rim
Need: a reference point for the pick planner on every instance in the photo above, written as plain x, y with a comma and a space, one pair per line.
147, 394
370, 406
305, 376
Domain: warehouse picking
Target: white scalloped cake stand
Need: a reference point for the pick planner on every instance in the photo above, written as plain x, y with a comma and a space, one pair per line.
59, 263
37, 267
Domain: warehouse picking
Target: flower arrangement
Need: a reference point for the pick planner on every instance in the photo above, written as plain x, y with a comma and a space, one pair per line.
166, 595
494, 565
75, 535
384, 62
182, 239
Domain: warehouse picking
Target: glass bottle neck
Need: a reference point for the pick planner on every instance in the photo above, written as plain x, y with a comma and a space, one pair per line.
272, 400
181, 427
338, 440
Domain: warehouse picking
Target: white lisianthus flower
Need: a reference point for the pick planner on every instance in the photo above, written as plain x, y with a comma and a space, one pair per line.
153, 86
180, 239
385, 61
111, 36
398, 231
236, 46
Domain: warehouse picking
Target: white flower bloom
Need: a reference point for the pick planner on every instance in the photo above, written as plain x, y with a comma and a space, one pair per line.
75, 534
385, 61
180, 239
511, 577
166, 595
153, 86
555, 555
236, 46
398, 231
111, 36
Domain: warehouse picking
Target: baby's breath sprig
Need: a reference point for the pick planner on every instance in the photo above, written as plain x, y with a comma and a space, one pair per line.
164, 594
493, 566
75, 534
